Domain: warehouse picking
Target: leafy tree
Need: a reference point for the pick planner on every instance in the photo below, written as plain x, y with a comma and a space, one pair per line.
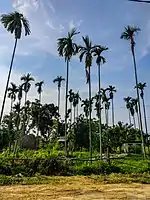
67, 48
14, 23
129, 35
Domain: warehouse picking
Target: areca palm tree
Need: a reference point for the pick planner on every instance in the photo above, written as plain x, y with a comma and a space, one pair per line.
135, 105
127, 101
132, 111
12, 91
14, 23
39, 89
76, 99
58, 80
129, 35
112, 90
26, 87
67, 48
86, 52
71, 98
100, 60
26, 84
20, 90
141, 88
85, 105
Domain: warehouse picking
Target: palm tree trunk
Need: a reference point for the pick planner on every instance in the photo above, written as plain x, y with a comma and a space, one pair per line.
129, 118
137, 113
138, 97
90, 110
100, 120
145, 118
7, 84
38, 130
58, 99
58, 110
113, 113
10, 120
77, 111
71, 113
106, 115
66, 105
74, 114
134, 122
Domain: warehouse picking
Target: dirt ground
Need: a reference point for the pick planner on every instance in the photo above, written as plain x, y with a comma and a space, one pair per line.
77, 188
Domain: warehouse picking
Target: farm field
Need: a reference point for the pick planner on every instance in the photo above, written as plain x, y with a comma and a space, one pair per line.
75, 188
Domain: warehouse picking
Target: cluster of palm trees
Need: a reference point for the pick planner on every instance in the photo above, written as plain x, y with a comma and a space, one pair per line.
132, 107
67, 49
89, 54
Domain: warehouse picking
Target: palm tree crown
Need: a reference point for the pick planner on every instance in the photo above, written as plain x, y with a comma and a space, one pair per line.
58, 80
97, 52
129, 34
12, 91
111, 90
141, 87
26, 82
39, 86
14, 23
66, 47
87, 51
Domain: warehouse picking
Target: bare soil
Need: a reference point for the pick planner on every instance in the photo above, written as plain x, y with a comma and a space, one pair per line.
75, 188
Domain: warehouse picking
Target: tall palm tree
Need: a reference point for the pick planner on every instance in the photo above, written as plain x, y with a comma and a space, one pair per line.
85, 105
78, 99
12, 91
105, 101
112, 90
129, 35
26, 87
39, 89
71, 98
100, 60
135, 106
127, 101
58, 80
20, 90
141, 88
14, 23
86, 52
132, 111
26, 84
67, 48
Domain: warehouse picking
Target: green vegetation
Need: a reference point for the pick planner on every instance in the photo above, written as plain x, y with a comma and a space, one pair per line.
36, 141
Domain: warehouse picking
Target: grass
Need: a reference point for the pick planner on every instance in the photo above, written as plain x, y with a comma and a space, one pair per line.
76, 187
109, 179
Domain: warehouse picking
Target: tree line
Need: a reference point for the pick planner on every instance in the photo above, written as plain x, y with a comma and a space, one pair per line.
16, 24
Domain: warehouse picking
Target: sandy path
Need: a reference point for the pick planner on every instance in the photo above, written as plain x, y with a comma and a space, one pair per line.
75, 188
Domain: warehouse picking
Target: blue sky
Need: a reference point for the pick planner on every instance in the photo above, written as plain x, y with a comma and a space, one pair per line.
103, 21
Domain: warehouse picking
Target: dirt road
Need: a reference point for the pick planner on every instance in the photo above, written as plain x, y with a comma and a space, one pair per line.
75, 188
